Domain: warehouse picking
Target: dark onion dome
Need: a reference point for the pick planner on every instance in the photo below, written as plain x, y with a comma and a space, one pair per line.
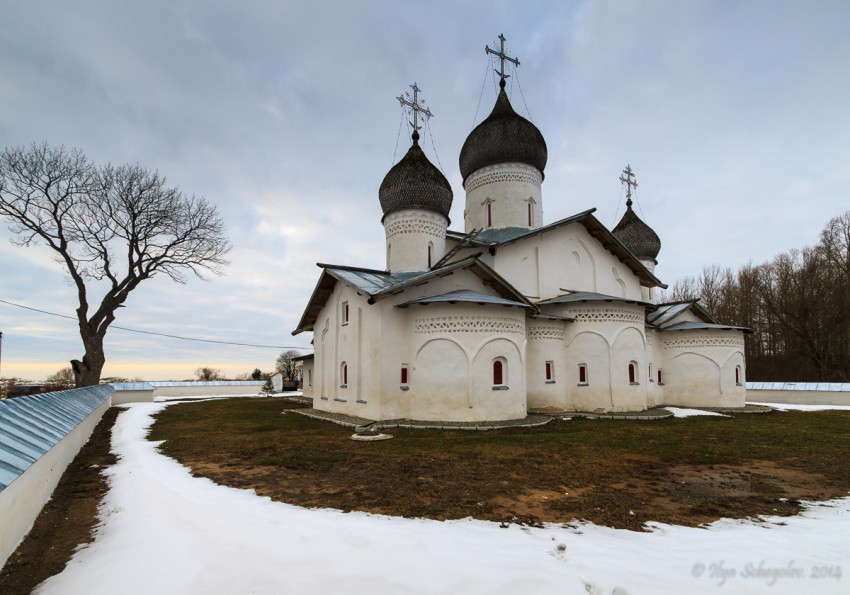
637, 236
415, 183
504, 137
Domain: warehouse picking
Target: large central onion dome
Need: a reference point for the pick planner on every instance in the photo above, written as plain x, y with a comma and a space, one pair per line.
415, 183
504, 137
637, 236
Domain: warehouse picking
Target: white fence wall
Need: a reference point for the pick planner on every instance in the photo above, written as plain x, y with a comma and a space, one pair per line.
39, 437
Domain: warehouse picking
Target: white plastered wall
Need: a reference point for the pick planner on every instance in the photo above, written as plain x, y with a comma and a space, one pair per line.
352, 342
606, 338
445, 369
409, 234
699, 368
568, 257
546, 344
509, 189
308, 378
453, 348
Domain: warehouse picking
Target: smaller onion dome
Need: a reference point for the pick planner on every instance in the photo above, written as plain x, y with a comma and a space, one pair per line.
637, 236
415, 183
504, 137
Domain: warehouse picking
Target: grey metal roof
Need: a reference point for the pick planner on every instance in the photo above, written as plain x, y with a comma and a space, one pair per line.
465, 295
301, 358
589, 296
818, 386
637, 236
368, 281
32, 425
415, 183
151, 385
494, 238
379, 284
667, 312
503, 137
696, 326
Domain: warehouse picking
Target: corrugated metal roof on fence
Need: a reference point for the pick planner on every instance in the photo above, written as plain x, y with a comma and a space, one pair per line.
32, 425
151, 385
810, 386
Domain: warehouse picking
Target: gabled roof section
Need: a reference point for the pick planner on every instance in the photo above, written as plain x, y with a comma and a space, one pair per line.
495, 238
466, 296
380, 284
589, 296
669, 311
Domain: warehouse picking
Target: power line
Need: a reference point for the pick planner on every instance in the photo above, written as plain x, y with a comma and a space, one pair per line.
134, 330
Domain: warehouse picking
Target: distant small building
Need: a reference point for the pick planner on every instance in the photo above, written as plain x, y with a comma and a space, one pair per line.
304, 365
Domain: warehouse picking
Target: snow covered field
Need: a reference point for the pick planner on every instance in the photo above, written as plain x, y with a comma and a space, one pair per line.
165, 531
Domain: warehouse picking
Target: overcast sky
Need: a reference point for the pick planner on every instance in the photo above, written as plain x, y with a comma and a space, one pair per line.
735, 117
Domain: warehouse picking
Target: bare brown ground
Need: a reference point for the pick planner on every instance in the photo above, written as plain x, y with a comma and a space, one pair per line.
616, 473
679, 494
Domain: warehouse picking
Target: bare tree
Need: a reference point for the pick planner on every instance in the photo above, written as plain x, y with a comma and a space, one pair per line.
108, 226
64, 378
207, 374
285, 364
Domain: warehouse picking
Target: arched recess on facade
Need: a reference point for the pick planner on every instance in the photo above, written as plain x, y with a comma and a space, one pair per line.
584, 257
678, 367
628, 360
732, 370
591, 349
484, 343
482, 370
442, 374
618, 281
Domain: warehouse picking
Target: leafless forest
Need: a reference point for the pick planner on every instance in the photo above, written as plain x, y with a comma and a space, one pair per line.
798, 306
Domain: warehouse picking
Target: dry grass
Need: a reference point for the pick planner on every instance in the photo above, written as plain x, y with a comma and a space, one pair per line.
617, 473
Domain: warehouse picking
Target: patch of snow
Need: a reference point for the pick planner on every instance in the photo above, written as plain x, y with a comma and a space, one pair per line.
168, 399
164, 531
791, 407
684, 412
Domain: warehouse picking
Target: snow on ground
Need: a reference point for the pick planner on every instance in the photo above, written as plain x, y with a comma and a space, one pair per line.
682, 412
164, 399
165, 531
789, 407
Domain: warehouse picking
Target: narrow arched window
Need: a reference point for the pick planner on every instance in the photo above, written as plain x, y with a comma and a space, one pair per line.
489, 208
632, 373
529, 214
738, 375
430, 254
498, 373
343, 374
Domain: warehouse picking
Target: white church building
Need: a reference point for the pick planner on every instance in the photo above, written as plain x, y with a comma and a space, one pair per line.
510, 314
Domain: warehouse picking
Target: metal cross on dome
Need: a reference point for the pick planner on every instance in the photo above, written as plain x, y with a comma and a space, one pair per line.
416, 106
502, 58
628, 178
